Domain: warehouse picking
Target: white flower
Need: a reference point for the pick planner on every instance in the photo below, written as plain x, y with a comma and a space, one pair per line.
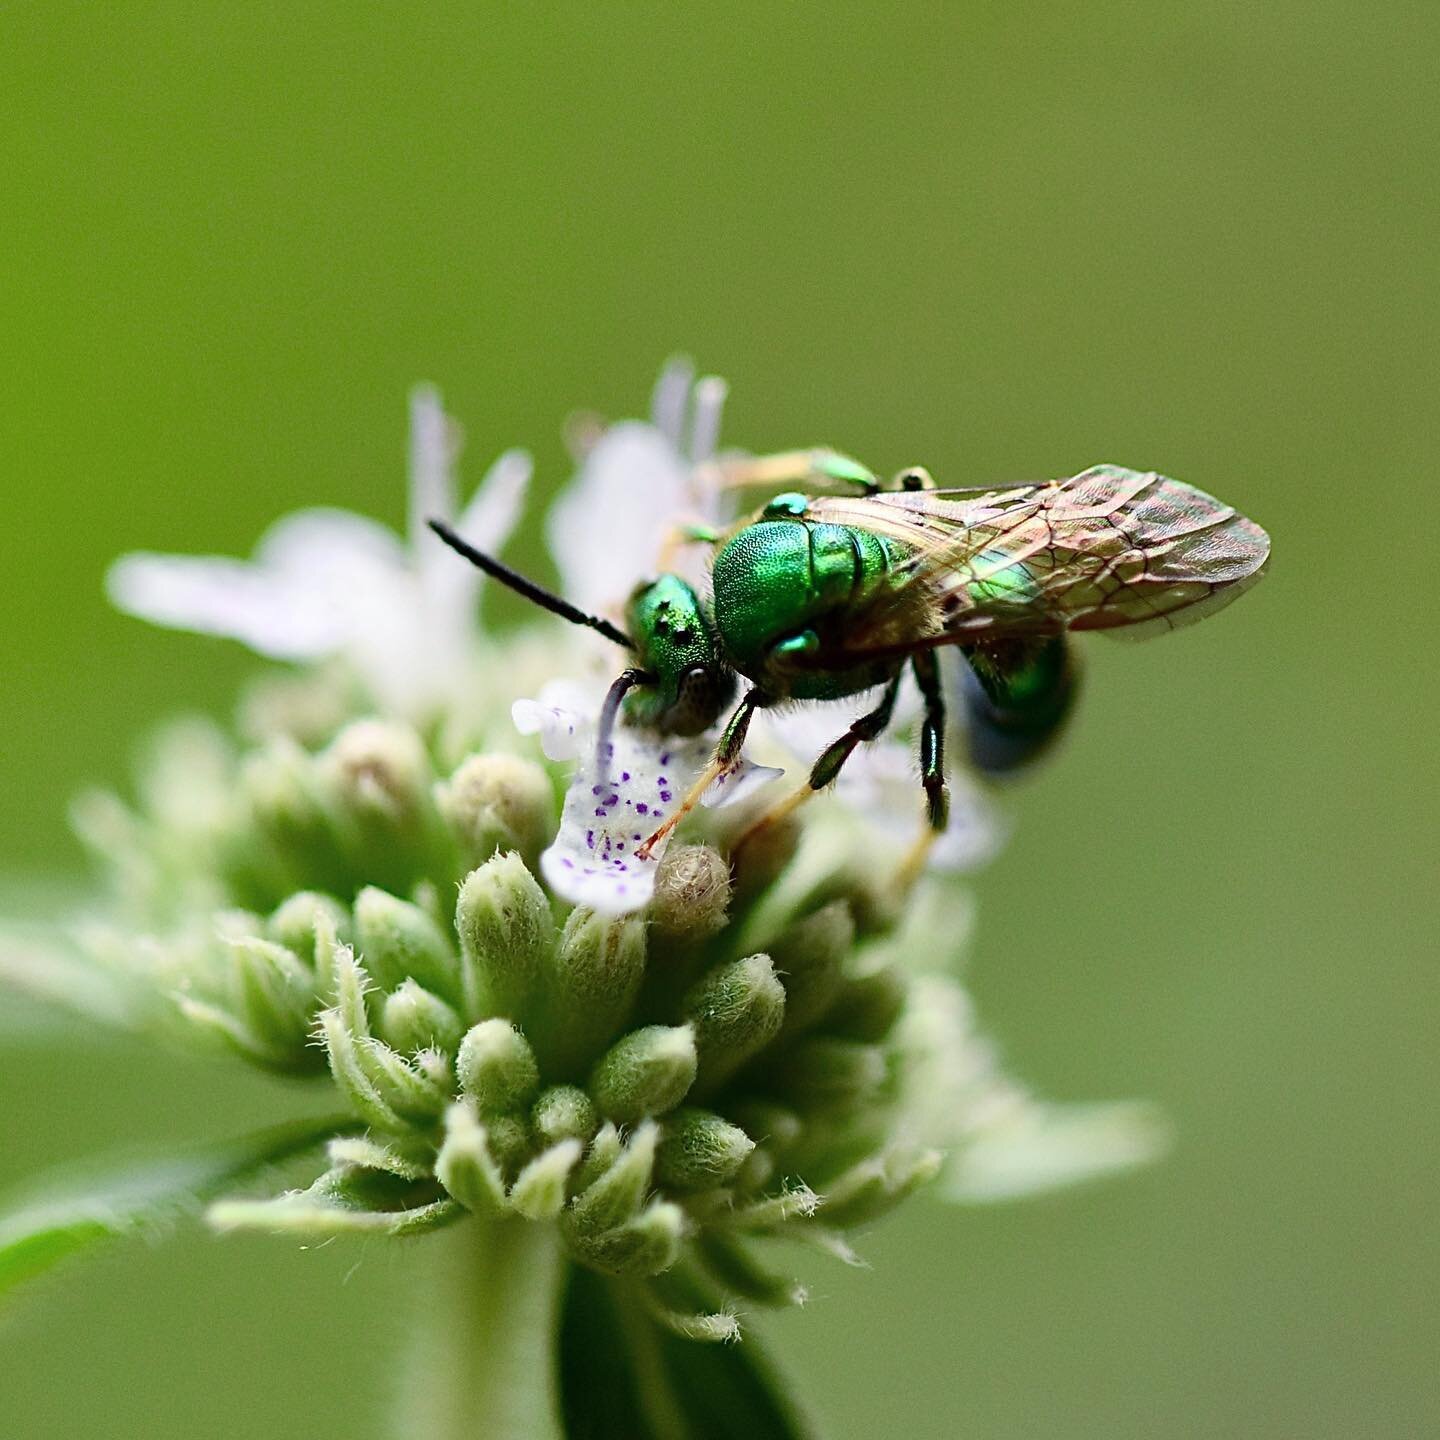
328, 583
612, 806
617, 519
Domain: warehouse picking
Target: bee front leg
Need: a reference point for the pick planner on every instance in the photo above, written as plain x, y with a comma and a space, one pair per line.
797, 467
727, 752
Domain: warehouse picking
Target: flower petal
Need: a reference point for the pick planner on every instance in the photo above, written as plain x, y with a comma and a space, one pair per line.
671, 398
611, 809
1038, 1147
608, 527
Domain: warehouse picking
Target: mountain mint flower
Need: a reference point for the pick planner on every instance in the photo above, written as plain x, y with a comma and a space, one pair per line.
642, 1074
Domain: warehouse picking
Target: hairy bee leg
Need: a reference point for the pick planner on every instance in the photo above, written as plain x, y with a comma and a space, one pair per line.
932, 740
727, 751
797, 467
828, 766
689, 532
932, 770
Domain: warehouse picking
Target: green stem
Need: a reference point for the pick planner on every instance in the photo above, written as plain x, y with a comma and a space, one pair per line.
486, 1361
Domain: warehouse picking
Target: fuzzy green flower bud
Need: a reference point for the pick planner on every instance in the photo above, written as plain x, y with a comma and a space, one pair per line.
808, 957
647, 1245
617, 1195
376, 770
303, 918
692, 895
824, 1070
870, 1001
737, 1009
498, 802
277, 993
563, 1112
399, 941
465, 1165
279, 790
590, 985
699, 1149
496, 1066
412, 1018
645, 1073
507, 936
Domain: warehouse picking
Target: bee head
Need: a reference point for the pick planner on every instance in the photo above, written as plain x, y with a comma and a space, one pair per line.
675, 643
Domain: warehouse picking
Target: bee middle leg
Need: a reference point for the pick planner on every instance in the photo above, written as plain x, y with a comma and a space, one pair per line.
932, 765
727, 752
832, 760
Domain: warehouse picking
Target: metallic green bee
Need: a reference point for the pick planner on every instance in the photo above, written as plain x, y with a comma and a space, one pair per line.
821, 597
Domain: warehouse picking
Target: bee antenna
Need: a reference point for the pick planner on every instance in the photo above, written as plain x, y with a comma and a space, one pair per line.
545, 599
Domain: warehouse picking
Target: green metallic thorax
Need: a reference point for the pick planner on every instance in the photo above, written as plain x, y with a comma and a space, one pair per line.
784, 588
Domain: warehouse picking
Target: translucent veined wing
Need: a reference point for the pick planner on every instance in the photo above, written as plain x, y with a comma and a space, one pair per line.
1108, 549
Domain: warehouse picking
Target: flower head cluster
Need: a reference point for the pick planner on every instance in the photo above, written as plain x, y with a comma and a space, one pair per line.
668, 1059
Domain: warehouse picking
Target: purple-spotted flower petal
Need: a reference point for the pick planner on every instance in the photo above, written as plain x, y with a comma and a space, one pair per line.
614, 804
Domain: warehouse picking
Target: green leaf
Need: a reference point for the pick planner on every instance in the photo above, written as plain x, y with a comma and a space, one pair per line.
142, 1196
341, 1202
624, 1373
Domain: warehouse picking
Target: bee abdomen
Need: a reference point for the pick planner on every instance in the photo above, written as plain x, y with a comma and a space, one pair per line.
1017, 698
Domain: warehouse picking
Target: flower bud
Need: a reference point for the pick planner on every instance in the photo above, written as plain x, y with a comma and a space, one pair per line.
699, 1150
412, 1018
617, 1195
876, 1186
563, 1112
506, 935
808, 956
398, 941
377, 769
826, 1071
465, 1165
737, 1009
590, 987
279, 788
497, 1067
417, 1090
602, 1152
305, 916
692, 894
498, 802
775, 1127
647, 1072
277, 995
646, 1245
539, 1189
868, 1005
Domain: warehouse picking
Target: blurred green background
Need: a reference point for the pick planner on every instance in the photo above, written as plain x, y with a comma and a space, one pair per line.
1004, 240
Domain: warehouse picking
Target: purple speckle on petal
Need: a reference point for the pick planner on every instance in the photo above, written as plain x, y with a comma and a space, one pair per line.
624, 774
567, 863
665, 796
599, 812
610, 800
665, 758
596, 789
641, 809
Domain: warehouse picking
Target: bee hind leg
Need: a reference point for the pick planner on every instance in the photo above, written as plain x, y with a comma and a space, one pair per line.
932, 767
830, 763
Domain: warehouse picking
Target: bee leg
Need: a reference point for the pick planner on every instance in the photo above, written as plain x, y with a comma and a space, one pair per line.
690, 532
727, 752
831, 762
932, 768
797, 467
917, 477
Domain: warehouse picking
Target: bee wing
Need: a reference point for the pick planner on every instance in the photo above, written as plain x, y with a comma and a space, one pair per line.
1109, 549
